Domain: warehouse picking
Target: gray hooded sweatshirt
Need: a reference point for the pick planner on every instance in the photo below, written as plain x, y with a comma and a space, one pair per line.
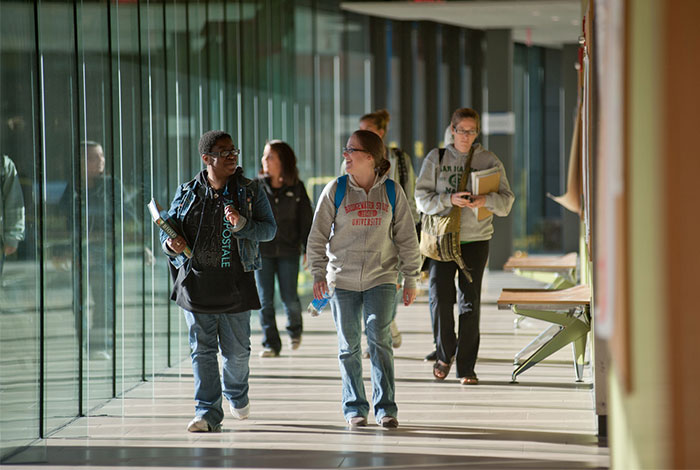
437, 181
365, 248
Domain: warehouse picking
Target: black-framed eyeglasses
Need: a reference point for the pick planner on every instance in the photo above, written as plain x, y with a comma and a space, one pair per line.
469, 132
350, 150
226, 153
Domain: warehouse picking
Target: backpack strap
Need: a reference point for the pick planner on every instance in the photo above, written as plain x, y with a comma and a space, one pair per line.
391, 193
340, 191
343, 184
441, 152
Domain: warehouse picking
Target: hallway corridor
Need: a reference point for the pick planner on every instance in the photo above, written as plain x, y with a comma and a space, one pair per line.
546, 420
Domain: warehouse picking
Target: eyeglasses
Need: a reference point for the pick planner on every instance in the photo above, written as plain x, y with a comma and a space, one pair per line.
350, 150
230, 154
469, 132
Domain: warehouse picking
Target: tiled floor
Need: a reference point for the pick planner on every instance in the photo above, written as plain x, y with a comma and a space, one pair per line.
546, 420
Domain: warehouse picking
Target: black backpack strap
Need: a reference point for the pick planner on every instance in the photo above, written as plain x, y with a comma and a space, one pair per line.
441, 151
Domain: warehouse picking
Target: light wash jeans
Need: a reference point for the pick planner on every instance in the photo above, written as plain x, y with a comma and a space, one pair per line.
375, 306
209, 332
287, 270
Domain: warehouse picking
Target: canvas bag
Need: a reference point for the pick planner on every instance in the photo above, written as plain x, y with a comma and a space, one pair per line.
439, 238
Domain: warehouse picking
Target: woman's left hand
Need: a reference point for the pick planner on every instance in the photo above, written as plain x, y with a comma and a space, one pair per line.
476, 201
409, 295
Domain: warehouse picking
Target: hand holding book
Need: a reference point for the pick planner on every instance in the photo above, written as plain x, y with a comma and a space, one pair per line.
484, 182
176, 242
176, 245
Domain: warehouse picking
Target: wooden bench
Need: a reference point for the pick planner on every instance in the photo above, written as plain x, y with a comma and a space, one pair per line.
559, 272
568, 310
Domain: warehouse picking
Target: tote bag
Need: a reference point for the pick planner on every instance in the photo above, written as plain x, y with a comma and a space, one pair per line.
439, 238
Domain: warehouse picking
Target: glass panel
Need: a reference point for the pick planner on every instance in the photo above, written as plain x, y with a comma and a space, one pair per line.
232, 63
19, 215
157, 154
123, 238
64, 318
178, 162
216, 58
303, 47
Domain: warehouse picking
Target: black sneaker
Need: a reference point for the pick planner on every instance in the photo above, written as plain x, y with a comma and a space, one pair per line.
432, 357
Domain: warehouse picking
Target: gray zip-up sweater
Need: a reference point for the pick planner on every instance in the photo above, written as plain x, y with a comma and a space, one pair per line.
365, 249
437, 181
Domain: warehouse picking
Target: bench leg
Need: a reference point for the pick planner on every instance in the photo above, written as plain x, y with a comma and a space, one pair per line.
561, 282
517, 321
542, 338
579, 347
574, 328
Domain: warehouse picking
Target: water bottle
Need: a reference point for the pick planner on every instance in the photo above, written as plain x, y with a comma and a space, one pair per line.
317, 305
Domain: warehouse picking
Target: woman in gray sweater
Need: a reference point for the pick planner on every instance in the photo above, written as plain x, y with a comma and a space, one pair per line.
436, 193
361, 238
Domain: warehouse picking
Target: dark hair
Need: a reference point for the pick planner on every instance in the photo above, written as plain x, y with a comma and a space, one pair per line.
209, 139
290, 172
379, 118
373, 144
465, 113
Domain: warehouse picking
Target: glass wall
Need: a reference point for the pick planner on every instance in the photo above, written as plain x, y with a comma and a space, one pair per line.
102, 106
539, 149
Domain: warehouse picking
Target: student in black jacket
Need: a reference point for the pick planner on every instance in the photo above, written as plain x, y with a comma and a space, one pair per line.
292, 209
222, 216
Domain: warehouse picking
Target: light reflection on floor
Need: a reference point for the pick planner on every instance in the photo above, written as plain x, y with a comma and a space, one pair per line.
544, 421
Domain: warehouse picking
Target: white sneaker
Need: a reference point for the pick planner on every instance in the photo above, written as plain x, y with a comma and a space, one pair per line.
269, 352
240, 413
199, 424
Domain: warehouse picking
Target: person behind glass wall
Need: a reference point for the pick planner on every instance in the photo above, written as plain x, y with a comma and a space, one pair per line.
401, 171
11, 210
286, 193
222, 216
370, 243
96, 208
436, 193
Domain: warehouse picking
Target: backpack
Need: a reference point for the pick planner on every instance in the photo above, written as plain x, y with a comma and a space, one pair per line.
343, 184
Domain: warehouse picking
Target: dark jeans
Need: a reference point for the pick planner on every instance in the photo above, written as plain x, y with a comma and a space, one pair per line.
287, 270
464, 345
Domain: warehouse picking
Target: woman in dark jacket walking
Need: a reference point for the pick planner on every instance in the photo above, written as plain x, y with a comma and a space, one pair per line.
292, 209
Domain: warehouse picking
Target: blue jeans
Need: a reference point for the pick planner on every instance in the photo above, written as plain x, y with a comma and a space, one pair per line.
209, 332
375, 306
287, 270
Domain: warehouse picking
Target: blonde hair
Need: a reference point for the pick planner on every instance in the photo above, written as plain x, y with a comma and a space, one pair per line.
379, 118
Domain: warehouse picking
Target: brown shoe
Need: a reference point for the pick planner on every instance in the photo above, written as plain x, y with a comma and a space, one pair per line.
469, 380
441, 370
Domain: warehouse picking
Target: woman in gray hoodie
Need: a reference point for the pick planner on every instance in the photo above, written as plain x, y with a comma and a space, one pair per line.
436, 193
362, 236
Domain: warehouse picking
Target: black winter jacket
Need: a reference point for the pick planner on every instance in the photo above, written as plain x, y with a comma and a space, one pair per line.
293, 213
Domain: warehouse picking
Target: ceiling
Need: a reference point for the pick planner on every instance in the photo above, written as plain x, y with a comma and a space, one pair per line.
537, 22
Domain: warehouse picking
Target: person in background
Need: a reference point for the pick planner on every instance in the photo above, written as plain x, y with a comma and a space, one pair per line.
401, 171
222, 216
360, 246
11, 210
436, 193
291, 207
